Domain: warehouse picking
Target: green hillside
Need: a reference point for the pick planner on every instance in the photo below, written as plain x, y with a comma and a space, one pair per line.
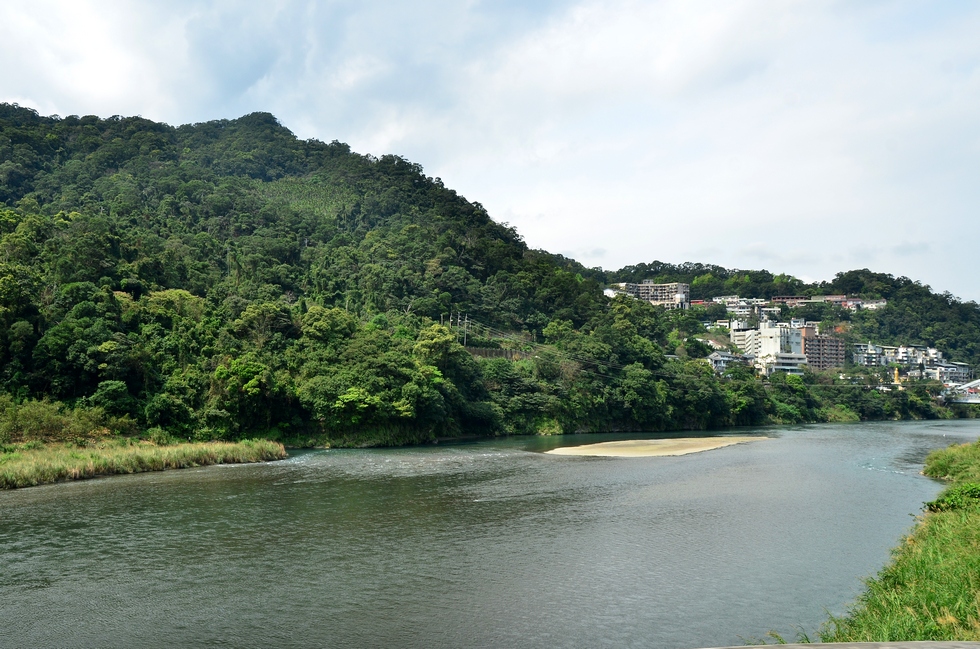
915, 315
227, 280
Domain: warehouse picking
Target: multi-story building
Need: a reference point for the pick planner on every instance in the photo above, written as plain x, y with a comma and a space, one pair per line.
790, 300
800, 300
746, 307
872, 305
674, 295
948, 372
730, 301
721, 360
775, 347
787, 347
868, 355
833, 299
910, 356
624, 288
745, 339
822, 352
919, 361
785, 362
779, 337
743, 311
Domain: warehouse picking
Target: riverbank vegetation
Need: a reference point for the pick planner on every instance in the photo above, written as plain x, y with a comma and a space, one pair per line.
227, 281
44, 441
931, 589
33, 463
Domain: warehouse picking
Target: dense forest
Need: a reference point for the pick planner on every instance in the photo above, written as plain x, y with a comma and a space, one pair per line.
227, 280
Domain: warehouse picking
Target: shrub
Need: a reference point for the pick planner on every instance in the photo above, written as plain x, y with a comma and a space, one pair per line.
52, 421
958, 497
160, 437
840, 413
40, 420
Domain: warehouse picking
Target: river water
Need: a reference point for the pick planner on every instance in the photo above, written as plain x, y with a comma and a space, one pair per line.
483, 544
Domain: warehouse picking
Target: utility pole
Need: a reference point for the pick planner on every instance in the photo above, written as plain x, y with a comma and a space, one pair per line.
466, 324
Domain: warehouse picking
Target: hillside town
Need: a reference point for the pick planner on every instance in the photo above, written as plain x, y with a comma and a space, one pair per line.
759, 338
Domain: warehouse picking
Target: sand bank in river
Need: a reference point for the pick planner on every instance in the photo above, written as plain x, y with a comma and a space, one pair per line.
652, 447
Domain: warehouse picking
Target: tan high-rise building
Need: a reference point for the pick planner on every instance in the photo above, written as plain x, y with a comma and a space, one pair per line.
822, 352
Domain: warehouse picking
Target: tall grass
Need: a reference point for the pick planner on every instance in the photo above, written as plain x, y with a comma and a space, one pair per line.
931, 589
34, 463
956, 463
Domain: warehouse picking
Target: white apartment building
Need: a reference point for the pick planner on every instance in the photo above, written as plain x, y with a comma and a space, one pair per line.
948, 372
913, 357
745, 339
775, 340
730, 301
747, 307
789, 363
721, 360
775, 346
871, 355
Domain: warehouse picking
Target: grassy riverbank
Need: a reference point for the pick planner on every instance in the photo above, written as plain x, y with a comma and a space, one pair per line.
931, 590
34, 463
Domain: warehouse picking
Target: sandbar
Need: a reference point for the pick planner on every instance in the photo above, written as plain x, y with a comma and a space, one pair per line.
652, 447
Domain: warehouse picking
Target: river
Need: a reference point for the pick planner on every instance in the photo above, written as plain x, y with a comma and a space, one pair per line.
482, 544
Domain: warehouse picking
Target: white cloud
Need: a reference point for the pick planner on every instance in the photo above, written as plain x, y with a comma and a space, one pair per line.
84, 57
809, 136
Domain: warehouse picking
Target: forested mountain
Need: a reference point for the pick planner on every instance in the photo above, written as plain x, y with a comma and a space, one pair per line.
227, 279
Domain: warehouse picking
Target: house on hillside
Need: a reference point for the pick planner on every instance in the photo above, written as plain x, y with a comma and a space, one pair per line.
721, 360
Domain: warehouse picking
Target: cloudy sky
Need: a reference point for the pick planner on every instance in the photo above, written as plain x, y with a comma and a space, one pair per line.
801, 137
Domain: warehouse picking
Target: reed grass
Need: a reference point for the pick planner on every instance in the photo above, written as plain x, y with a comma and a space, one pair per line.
956, 464
931, 589
35, 463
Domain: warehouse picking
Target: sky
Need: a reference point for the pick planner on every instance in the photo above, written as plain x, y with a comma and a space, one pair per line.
806, 137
